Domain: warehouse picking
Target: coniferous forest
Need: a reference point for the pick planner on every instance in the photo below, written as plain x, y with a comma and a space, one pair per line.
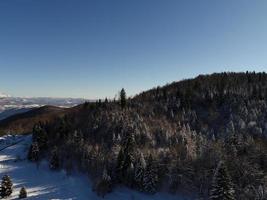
205, 137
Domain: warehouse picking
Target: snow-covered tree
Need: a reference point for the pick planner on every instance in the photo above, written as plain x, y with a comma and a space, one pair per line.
6, 187
129, 151
230, 128
139, 171
125, 158
222, 186
150, 177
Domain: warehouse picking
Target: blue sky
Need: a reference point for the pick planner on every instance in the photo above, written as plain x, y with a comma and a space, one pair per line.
76, 48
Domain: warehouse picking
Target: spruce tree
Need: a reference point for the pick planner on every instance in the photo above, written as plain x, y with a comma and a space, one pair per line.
222, 186
104, 184
34, 152
125, 160
175, 177
40, 136
123, 98
150, 177
6, 187
120, 164
139, 171
129, 177
129, 151
54, 161
22, 193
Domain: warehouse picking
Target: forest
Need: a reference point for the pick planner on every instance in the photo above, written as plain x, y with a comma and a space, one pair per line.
204, 137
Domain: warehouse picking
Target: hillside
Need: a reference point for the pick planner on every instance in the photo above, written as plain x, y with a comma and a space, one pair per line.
170, 138
14, 105
23, 123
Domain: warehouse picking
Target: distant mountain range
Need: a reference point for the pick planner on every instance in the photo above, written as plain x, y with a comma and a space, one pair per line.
15, 105
3, 95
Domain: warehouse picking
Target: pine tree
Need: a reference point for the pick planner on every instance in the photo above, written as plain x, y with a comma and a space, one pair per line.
222, 187
120, 164
34, 152
126, 159
40, 136
139, 171
54, 161
129, 152
175, 177
104, 184
150, 177
23, 193
129, 178
6, 187
123, 98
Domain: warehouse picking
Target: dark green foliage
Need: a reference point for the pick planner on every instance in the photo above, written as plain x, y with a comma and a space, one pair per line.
175, 177
40, 136
6, 187
106, 100
129, 176
150, 179
222, 187
129, 152
139, 171
125, 161
120, 165
104, 185
54, 161
23, 193
34, 152
123, 98
86, 104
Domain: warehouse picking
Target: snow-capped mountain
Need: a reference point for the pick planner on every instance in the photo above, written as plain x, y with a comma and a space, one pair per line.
4, 95
14, 105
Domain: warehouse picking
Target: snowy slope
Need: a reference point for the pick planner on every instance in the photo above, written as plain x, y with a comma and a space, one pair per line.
41, 183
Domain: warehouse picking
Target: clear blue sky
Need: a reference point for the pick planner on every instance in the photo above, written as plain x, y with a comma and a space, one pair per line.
76, 48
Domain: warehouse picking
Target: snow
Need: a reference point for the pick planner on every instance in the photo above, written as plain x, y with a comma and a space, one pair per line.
9, 140
3, 95
41, 183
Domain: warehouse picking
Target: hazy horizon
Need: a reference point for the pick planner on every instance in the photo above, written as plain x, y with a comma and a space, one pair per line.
91, 49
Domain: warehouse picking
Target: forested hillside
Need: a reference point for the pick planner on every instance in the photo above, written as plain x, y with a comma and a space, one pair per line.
203, 136
23, 123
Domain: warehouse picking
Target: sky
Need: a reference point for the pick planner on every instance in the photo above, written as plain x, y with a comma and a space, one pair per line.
93, 48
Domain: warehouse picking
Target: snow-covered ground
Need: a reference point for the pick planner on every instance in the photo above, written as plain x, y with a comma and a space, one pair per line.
8, 140
41, 183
